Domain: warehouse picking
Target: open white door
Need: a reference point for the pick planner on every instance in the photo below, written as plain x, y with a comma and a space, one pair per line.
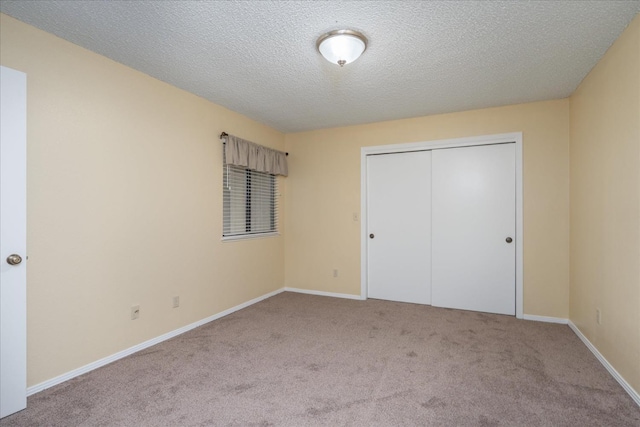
399, 227
13, 242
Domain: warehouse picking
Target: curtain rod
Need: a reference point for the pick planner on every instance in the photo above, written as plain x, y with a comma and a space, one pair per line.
224, 135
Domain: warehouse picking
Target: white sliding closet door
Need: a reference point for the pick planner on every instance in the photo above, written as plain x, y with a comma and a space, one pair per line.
399, 227
473, 228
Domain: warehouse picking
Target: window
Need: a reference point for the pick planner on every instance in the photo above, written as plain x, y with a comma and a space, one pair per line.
249, 202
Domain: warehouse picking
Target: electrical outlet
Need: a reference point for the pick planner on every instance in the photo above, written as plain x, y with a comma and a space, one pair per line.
135, 312
598, 316
176, 302
335, 273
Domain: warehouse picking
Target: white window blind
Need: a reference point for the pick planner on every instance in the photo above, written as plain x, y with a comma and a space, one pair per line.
249, 202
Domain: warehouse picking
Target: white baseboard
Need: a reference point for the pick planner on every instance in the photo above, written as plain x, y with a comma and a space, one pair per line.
124, 353
625, 385
322, 293
546, 319
119, 355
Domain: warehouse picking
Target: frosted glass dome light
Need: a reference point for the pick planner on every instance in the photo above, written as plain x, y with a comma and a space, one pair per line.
342, 46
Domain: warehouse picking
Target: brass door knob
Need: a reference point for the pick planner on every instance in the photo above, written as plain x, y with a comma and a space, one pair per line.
14, 259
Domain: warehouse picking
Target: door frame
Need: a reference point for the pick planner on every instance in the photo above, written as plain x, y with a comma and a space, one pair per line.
515, 137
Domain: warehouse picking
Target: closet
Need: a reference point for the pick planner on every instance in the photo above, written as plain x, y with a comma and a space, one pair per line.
441, 227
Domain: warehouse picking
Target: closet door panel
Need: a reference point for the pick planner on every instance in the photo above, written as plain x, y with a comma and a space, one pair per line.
473, 228
399, 227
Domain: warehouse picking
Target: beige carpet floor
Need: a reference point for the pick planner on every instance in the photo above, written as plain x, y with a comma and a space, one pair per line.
298, 360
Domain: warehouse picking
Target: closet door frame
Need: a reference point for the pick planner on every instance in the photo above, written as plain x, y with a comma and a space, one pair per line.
515, 137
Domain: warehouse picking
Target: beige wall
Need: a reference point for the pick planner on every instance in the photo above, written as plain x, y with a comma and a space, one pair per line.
124, 205
605, 205
325, 192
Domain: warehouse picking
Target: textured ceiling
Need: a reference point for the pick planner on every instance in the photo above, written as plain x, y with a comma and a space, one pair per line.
424, 57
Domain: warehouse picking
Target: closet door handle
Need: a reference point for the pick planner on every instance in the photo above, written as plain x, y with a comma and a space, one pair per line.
509, 240
371, 236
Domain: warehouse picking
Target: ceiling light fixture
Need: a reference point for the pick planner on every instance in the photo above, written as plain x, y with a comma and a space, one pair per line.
341, 46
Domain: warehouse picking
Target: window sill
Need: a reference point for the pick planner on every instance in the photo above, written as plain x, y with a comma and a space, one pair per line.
249, 236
